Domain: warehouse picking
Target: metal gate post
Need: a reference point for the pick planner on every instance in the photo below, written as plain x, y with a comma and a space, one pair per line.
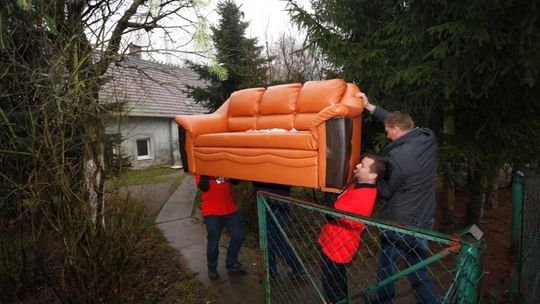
469, 260
261, 210
515, 236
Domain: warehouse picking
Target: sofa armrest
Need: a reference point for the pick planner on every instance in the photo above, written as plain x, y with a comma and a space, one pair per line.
333, 111
350, 107
355, 105
202, 124
191, 126
334, 128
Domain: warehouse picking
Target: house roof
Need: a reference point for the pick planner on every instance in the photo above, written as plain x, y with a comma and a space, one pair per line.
150, 89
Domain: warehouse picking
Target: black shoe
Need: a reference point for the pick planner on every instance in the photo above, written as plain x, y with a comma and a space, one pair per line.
237, 267
213, 274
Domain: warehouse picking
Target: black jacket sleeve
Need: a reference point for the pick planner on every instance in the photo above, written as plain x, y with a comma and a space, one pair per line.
380, 113
204, 183
387, 186
329, 199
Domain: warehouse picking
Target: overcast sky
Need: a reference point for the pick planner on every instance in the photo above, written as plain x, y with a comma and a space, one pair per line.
267, 18
267, 21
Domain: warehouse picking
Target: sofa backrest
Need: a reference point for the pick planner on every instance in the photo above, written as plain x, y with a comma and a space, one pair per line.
283, 106
278, 106
243, 108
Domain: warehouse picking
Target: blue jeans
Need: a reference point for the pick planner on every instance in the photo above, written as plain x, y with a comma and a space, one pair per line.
395, 246
277, 244
334, 280
214, 226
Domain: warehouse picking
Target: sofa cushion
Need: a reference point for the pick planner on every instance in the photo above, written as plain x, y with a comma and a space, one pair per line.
317, 95
277, 107
280, 121
245, 102
278, 140
302, 121
280, 99
243, 107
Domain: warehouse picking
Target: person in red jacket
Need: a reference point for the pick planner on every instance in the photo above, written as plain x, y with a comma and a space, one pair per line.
219, 210
340, 238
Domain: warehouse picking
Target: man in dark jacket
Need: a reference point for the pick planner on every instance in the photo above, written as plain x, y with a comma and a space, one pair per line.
407, 196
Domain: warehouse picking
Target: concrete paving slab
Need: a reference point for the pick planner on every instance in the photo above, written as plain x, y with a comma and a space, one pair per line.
184, 233
180, 203
230, 287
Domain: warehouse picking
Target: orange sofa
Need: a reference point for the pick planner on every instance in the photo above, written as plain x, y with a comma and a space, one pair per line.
302, 135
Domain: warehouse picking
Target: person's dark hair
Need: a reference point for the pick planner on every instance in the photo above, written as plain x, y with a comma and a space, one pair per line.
403, 121
378, 166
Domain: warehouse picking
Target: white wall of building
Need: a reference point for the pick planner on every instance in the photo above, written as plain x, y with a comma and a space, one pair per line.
161, 133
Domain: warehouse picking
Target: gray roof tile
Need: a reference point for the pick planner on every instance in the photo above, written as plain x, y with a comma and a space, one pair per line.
151, 89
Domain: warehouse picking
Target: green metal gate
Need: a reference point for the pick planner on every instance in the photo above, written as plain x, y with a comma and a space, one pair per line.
525, 236
452, 264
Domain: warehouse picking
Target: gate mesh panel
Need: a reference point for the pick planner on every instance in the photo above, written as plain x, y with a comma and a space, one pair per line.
530, 242
451, 263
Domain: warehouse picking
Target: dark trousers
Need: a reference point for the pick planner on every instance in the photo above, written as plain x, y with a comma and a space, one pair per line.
334, 280
214, 226
277, 244
396, 246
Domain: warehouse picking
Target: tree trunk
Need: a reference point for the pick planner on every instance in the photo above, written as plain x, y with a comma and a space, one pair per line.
483, 194
492, 195
474, 203
448, 195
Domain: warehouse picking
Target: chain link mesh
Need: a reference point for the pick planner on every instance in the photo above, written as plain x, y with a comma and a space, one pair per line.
530, 242
290, 234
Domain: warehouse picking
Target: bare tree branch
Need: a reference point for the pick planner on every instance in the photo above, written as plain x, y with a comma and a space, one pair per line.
116, 37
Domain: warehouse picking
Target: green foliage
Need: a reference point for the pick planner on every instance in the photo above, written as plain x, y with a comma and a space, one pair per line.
476, 62
41, 135
246, 198
149, 176
244, 195
72, 261
59, 241
116, 161
239, 56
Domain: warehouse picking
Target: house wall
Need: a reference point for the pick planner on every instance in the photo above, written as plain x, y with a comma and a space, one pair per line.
162, 134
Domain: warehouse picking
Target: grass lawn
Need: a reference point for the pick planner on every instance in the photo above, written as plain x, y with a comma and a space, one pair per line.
151, 176
147, 177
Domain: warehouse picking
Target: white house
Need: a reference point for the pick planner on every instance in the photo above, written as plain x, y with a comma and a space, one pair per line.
153, 94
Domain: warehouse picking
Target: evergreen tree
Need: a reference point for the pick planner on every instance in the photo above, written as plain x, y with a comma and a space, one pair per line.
467, 69
239, 55
53, 58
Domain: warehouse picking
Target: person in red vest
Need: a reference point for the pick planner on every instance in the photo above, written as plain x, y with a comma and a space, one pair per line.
219, 210
340, 237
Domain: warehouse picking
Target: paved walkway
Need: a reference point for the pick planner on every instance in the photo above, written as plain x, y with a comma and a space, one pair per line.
186, 232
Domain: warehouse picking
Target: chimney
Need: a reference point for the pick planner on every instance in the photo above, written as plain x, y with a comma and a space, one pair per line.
135, 50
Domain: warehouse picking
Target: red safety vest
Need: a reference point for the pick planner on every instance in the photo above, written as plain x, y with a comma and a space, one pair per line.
218, 200
340, 239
